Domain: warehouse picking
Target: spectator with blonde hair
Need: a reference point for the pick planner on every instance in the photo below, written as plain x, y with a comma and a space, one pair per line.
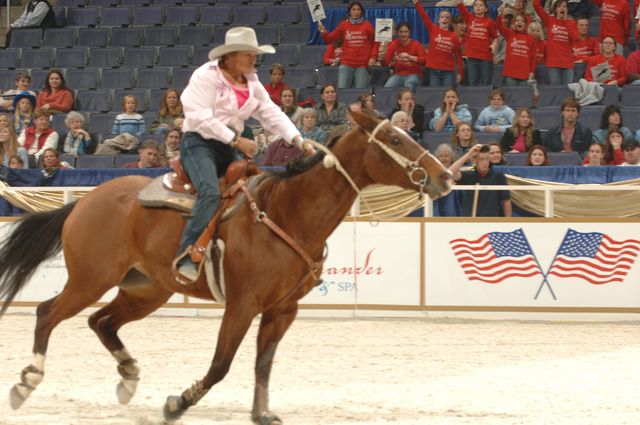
9, 146
309, 129
522, 135
129, 121
169, 114
462, 138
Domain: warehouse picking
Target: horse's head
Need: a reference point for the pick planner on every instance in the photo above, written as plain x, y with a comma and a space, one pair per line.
392, 157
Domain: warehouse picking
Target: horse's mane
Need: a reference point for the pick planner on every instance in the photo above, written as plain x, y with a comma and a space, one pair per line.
301, 164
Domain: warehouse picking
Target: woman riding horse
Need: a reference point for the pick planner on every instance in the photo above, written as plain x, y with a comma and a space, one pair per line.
221, 95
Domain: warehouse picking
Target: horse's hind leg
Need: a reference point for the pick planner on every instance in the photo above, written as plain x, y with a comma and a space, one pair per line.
235, 324
50, 313
273, 326
127, 306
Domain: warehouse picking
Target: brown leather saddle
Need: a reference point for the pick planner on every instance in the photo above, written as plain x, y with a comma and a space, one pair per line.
237, 175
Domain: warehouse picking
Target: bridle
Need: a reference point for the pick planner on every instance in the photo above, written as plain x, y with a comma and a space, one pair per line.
415, 172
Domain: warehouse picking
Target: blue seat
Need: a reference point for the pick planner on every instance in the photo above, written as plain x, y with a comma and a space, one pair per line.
200, 55
151, 15
71, 3
630, 117
174, 56
144, 57
93, 100
590, 116
285, 55
327, 74
432, 139
429, 97
94, 161
9, 59
551, 96
25, 37
199, 2
268, 34
182, 15
544, 119
106, 57
92, 37
7, 78
155, 99
475, 97
82, 16
123, 158
249, 15
295, 33
139, 94
150, 78
60, 15
215, 15
59, 37
38, 77
301, 76
166, 2
139, 2
36, 58
122, 78
115, 16
180, 77
102, 123
283, 14
126, 37
194, 36
349, 96
519, 96
104, 3
386, 98
160, 36
631, 96
312, 55
80, 79
70, 58
57, 123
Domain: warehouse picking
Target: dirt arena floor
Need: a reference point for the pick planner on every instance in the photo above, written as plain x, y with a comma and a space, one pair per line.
343, 371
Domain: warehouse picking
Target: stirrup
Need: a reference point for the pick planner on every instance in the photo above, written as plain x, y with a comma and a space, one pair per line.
180, 278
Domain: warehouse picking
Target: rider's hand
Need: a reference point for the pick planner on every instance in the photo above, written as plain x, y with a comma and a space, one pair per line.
246, 146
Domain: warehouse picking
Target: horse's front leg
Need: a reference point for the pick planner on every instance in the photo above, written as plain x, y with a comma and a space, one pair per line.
232, 330
273, 326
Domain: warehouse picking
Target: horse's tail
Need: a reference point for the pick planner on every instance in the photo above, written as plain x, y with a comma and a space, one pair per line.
35, 238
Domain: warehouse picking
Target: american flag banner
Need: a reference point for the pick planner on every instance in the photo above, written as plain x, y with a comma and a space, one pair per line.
594, 257
496, 256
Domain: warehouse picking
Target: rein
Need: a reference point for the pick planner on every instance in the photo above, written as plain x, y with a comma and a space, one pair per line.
413, 167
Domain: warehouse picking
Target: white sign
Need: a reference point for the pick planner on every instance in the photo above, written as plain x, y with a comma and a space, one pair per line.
316, 9
384, 29
601, 72
371, 265
532, 264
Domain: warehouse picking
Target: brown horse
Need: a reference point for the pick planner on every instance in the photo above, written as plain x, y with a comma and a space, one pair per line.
107, 237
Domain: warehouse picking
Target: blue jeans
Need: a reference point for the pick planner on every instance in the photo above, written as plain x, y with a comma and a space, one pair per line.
441, 78
356, 77
409, 81
508, 81
560, 76
204, 160
479, 72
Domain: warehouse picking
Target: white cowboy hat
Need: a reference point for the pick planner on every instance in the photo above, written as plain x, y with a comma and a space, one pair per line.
240, 39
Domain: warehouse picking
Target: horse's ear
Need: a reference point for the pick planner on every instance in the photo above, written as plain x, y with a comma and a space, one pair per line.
365, 121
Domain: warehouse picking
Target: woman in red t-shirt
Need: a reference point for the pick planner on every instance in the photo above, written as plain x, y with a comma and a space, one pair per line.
359, 48
520, 56
480, 42
405, 56
444, 49
617, 64
615, 21
561, 34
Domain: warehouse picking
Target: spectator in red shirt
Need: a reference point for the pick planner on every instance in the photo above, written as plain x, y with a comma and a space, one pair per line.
148, 156
520, 56
405, 56
479, 43
444, 50
561, 34
55, 97
333, 54
615, 21
534, 29
633, 68
277, 84
611, 150
359, 48
617, 64
586, 46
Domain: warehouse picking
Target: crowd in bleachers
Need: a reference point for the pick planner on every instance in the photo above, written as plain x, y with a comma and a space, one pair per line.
121, 65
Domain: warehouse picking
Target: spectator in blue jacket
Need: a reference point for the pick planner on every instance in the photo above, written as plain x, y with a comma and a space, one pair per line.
496, 117
450, 113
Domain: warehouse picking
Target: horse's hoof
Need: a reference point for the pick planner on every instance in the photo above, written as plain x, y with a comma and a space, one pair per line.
174, 408
125, 390
268, 418
18, 395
